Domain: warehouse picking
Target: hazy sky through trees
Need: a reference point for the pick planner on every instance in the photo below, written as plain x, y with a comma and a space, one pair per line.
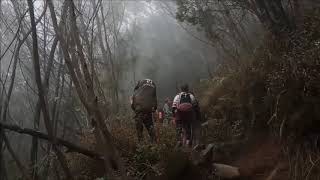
165, 51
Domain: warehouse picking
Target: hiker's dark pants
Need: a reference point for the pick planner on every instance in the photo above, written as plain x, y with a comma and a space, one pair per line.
183, 126
144, 118
184, 122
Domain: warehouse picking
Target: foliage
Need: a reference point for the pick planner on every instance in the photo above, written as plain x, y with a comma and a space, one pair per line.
149, 159
141, 160
276, 93
275, 15
218, 19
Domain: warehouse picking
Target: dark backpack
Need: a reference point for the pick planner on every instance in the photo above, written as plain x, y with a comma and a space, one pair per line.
144, 98
185, 104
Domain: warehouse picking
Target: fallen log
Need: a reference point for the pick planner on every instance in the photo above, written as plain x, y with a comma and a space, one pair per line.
226, 171
204, 158
71, 146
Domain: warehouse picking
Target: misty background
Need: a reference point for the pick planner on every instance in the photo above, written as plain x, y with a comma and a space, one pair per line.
151, 43
122, 42
163, 49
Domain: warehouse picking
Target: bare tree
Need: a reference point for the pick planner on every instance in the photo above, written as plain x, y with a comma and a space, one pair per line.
41, 93
107, 53
84, 87
15, 157
5, 105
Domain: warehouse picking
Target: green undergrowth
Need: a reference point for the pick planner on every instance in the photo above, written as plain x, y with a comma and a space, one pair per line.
276, 92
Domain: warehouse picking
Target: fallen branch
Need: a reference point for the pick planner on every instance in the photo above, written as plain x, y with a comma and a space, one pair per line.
72, 147
226, 171
275, 114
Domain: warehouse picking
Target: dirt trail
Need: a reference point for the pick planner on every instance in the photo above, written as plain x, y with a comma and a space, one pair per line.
262, 161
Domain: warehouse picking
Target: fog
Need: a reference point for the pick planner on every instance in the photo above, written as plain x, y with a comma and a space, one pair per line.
165, 51
152, 44
109, 48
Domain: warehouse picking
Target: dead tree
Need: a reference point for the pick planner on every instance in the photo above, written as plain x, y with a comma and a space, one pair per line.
106, 50
5, 105
82, 79
41, 93
69, 145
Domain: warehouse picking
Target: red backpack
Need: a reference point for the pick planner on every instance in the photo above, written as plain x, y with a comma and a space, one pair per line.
185, 108
185, 104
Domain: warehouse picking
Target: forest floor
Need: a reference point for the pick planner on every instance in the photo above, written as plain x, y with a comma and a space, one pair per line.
270, 105
261, 158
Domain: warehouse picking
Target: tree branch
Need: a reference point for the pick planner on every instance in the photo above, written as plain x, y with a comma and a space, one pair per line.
67, 144
15, 158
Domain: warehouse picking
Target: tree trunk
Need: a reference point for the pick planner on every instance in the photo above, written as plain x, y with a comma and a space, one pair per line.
2, 160
5, 106
15, 157
72, 147
41, 92
34, 147
111, 59
34, 143
272, 14
88, 99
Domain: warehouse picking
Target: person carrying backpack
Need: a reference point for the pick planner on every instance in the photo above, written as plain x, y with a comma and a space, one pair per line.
144, 104
186, 112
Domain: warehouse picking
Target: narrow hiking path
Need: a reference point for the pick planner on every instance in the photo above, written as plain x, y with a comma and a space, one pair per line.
68, 70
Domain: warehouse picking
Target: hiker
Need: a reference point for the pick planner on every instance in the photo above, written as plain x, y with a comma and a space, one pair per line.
159, 115
186, 113
167, 112
144, 104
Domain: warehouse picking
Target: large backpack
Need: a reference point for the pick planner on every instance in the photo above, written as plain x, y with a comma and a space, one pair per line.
144, 98
185, 110
185, 104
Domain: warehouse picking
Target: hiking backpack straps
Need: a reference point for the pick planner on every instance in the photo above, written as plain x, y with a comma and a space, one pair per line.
185, 104
144, 96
